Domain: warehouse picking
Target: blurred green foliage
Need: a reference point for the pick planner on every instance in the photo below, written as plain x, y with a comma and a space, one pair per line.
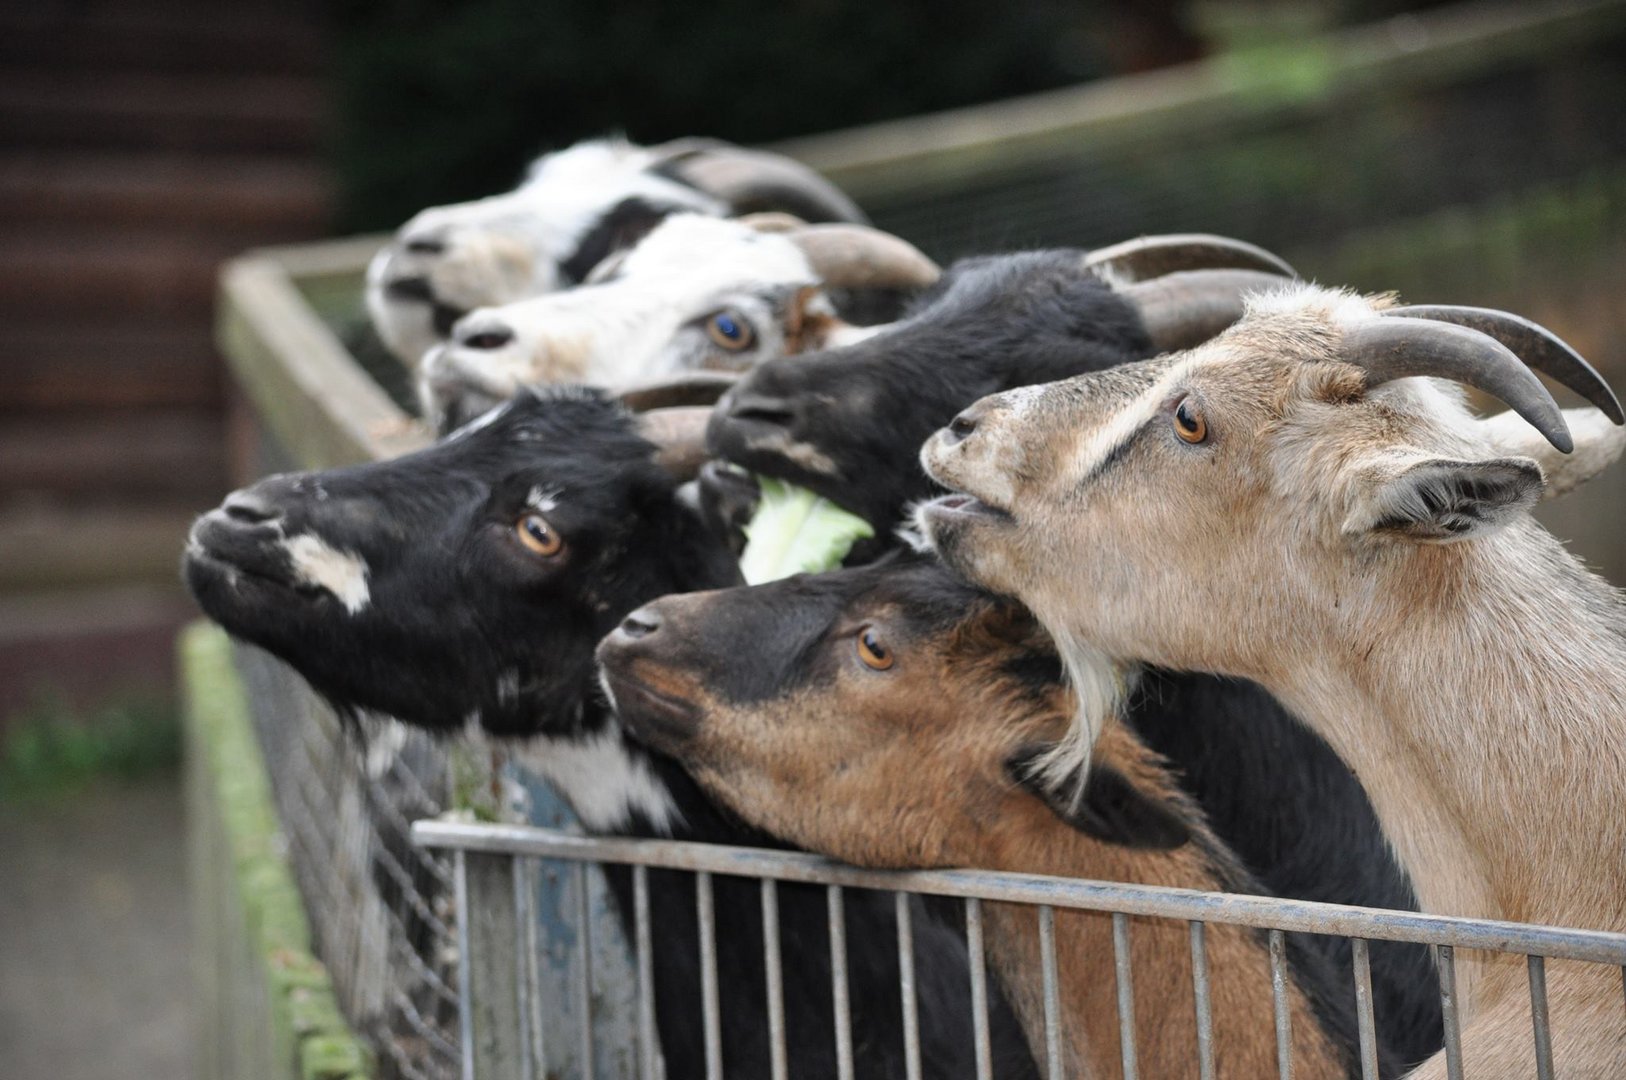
441, 101
51, 747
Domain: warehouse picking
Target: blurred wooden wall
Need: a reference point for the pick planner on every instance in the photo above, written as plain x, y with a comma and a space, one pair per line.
141, 142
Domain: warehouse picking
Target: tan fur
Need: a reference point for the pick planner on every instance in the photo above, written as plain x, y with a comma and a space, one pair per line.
906, 769
1475, 687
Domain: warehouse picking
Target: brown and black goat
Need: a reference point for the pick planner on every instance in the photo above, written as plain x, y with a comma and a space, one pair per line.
890, 716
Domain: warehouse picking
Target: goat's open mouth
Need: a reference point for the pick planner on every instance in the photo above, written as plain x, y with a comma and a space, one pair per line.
658, 717
962, 507
418, 290
410, 288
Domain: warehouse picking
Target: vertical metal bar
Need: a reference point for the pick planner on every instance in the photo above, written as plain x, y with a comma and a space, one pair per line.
838, 982
773, 962
979, 988
525, 977
584, 979
1361, 958
1205, 1015
705, 915
1126, 994
1278, 1004
465, 975
1448, 1010
906, 985
1538, 1015
648, 1051
487, 973
1052, 992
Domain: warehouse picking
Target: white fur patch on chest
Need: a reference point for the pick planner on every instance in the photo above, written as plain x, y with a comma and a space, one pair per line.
605, 783
342, 573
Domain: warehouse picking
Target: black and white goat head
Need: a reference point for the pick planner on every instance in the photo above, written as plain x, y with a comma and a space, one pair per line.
698, 293
463, 586
574, 208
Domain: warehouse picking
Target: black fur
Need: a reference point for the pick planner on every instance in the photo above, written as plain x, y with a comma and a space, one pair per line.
992, 323
457, 604
1297, 818
1109, 808
621, 227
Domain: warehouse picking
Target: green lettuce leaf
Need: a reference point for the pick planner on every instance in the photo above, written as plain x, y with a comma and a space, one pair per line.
797, 532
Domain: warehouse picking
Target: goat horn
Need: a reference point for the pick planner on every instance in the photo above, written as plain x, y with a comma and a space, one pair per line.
689, 388
859, 257
754, 180
1186, 308
772, 221
1396, 347
1153, 256
679, 436
1532, 343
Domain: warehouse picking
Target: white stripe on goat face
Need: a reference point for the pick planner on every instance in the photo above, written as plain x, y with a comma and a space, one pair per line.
1096, 446
342, 573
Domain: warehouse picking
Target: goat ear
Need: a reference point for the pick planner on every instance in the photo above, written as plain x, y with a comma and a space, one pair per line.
1108, 808
1442, 500
1598, 445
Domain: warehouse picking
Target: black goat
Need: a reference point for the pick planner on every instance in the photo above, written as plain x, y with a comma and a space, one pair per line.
847, 423
466, 586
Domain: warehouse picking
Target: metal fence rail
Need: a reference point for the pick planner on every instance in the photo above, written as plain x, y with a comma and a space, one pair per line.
502, 999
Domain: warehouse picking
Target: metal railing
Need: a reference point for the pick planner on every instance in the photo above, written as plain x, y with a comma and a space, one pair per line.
503, 1001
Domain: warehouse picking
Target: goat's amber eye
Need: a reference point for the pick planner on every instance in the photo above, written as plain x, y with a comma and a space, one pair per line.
730, 331
872, 651
537, 535
1189, 423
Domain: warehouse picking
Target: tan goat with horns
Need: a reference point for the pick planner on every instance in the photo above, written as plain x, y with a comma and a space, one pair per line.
1283, 504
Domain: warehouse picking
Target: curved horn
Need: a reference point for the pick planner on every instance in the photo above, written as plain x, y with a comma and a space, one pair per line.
859, 257
1186, 308
689, 388
1532, 343
1153, 256
1395, 347
754, 180
679, 436
772, 221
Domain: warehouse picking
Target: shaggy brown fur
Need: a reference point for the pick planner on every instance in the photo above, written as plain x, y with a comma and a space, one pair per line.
912, 767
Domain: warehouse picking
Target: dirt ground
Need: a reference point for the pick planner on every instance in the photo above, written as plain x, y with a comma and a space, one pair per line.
95, 955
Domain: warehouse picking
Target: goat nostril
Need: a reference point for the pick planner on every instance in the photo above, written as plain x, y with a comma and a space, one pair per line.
764, 410
961, 427
640, 623
493, 338
425, 246
250, 509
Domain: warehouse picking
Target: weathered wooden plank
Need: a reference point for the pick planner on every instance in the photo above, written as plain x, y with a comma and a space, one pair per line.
307, 390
